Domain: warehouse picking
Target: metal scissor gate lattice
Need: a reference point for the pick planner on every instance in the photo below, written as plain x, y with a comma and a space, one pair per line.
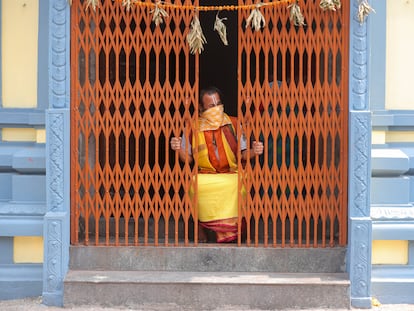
134, 85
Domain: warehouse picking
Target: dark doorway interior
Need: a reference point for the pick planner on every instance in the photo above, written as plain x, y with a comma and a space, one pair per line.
218, 62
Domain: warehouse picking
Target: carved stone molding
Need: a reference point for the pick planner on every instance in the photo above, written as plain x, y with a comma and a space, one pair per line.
360, 254
360, 226
392, 213
56, 223
59, 34
55, 258
359, 64
360, 157
55, 172
54, 246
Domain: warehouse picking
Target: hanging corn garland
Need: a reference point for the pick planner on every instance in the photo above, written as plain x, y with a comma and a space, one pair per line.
93, 3
128, 3
256, 19
296, 15
221, 28
332, 5
158, 14
364, 9
195, 37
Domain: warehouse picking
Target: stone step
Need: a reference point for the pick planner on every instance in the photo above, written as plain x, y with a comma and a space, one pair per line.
185, 290
209, 257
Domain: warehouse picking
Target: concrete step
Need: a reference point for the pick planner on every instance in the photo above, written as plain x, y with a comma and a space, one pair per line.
186, 290
209, 257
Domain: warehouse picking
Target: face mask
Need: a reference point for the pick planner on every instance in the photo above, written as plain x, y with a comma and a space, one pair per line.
214, 116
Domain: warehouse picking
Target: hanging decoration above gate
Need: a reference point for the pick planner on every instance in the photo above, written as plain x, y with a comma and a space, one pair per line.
364, 9
256, 20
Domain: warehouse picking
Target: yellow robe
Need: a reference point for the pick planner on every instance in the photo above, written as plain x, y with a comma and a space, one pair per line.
218, 192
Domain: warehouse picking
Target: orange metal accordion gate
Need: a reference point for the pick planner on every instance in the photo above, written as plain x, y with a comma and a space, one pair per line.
134, 85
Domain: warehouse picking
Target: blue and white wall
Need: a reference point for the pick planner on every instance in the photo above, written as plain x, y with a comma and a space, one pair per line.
23, 99
34, 96
392, 185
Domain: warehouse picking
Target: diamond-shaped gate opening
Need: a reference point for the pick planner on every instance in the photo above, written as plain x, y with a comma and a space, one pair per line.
102, 191
81, 108
322, 67
122, 67
296, 109
313, 25
321, 110
330, 25
321, 150
172, 25
81, 25
329, 150
82, 71
304, 110
338, 64
132, 151
320, 192
121, 149
112, 108
81, 148
91, 150
338, 109
312, 148
122, 25
328, 192
81, 190
296, 152
336, 192
112, 25
304, 151
312, 191
330, 66
313, 110
92, 25
112, 191
304, 193
132, 25
329, 109
121, 191
112, 67
121, 109
337, 150
101, 148
338, 25
287, 151
102, 25
112, 151
287, 192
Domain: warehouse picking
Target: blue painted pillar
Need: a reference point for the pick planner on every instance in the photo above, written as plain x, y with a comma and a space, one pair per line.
57, 218
360, 225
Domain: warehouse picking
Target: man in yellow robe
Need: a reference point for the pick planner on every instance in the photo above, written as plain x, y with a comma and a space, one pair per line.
217, 162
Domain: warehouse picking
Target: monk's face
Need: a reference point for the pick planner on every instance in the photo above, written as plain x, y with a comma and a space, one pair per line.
210, 101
